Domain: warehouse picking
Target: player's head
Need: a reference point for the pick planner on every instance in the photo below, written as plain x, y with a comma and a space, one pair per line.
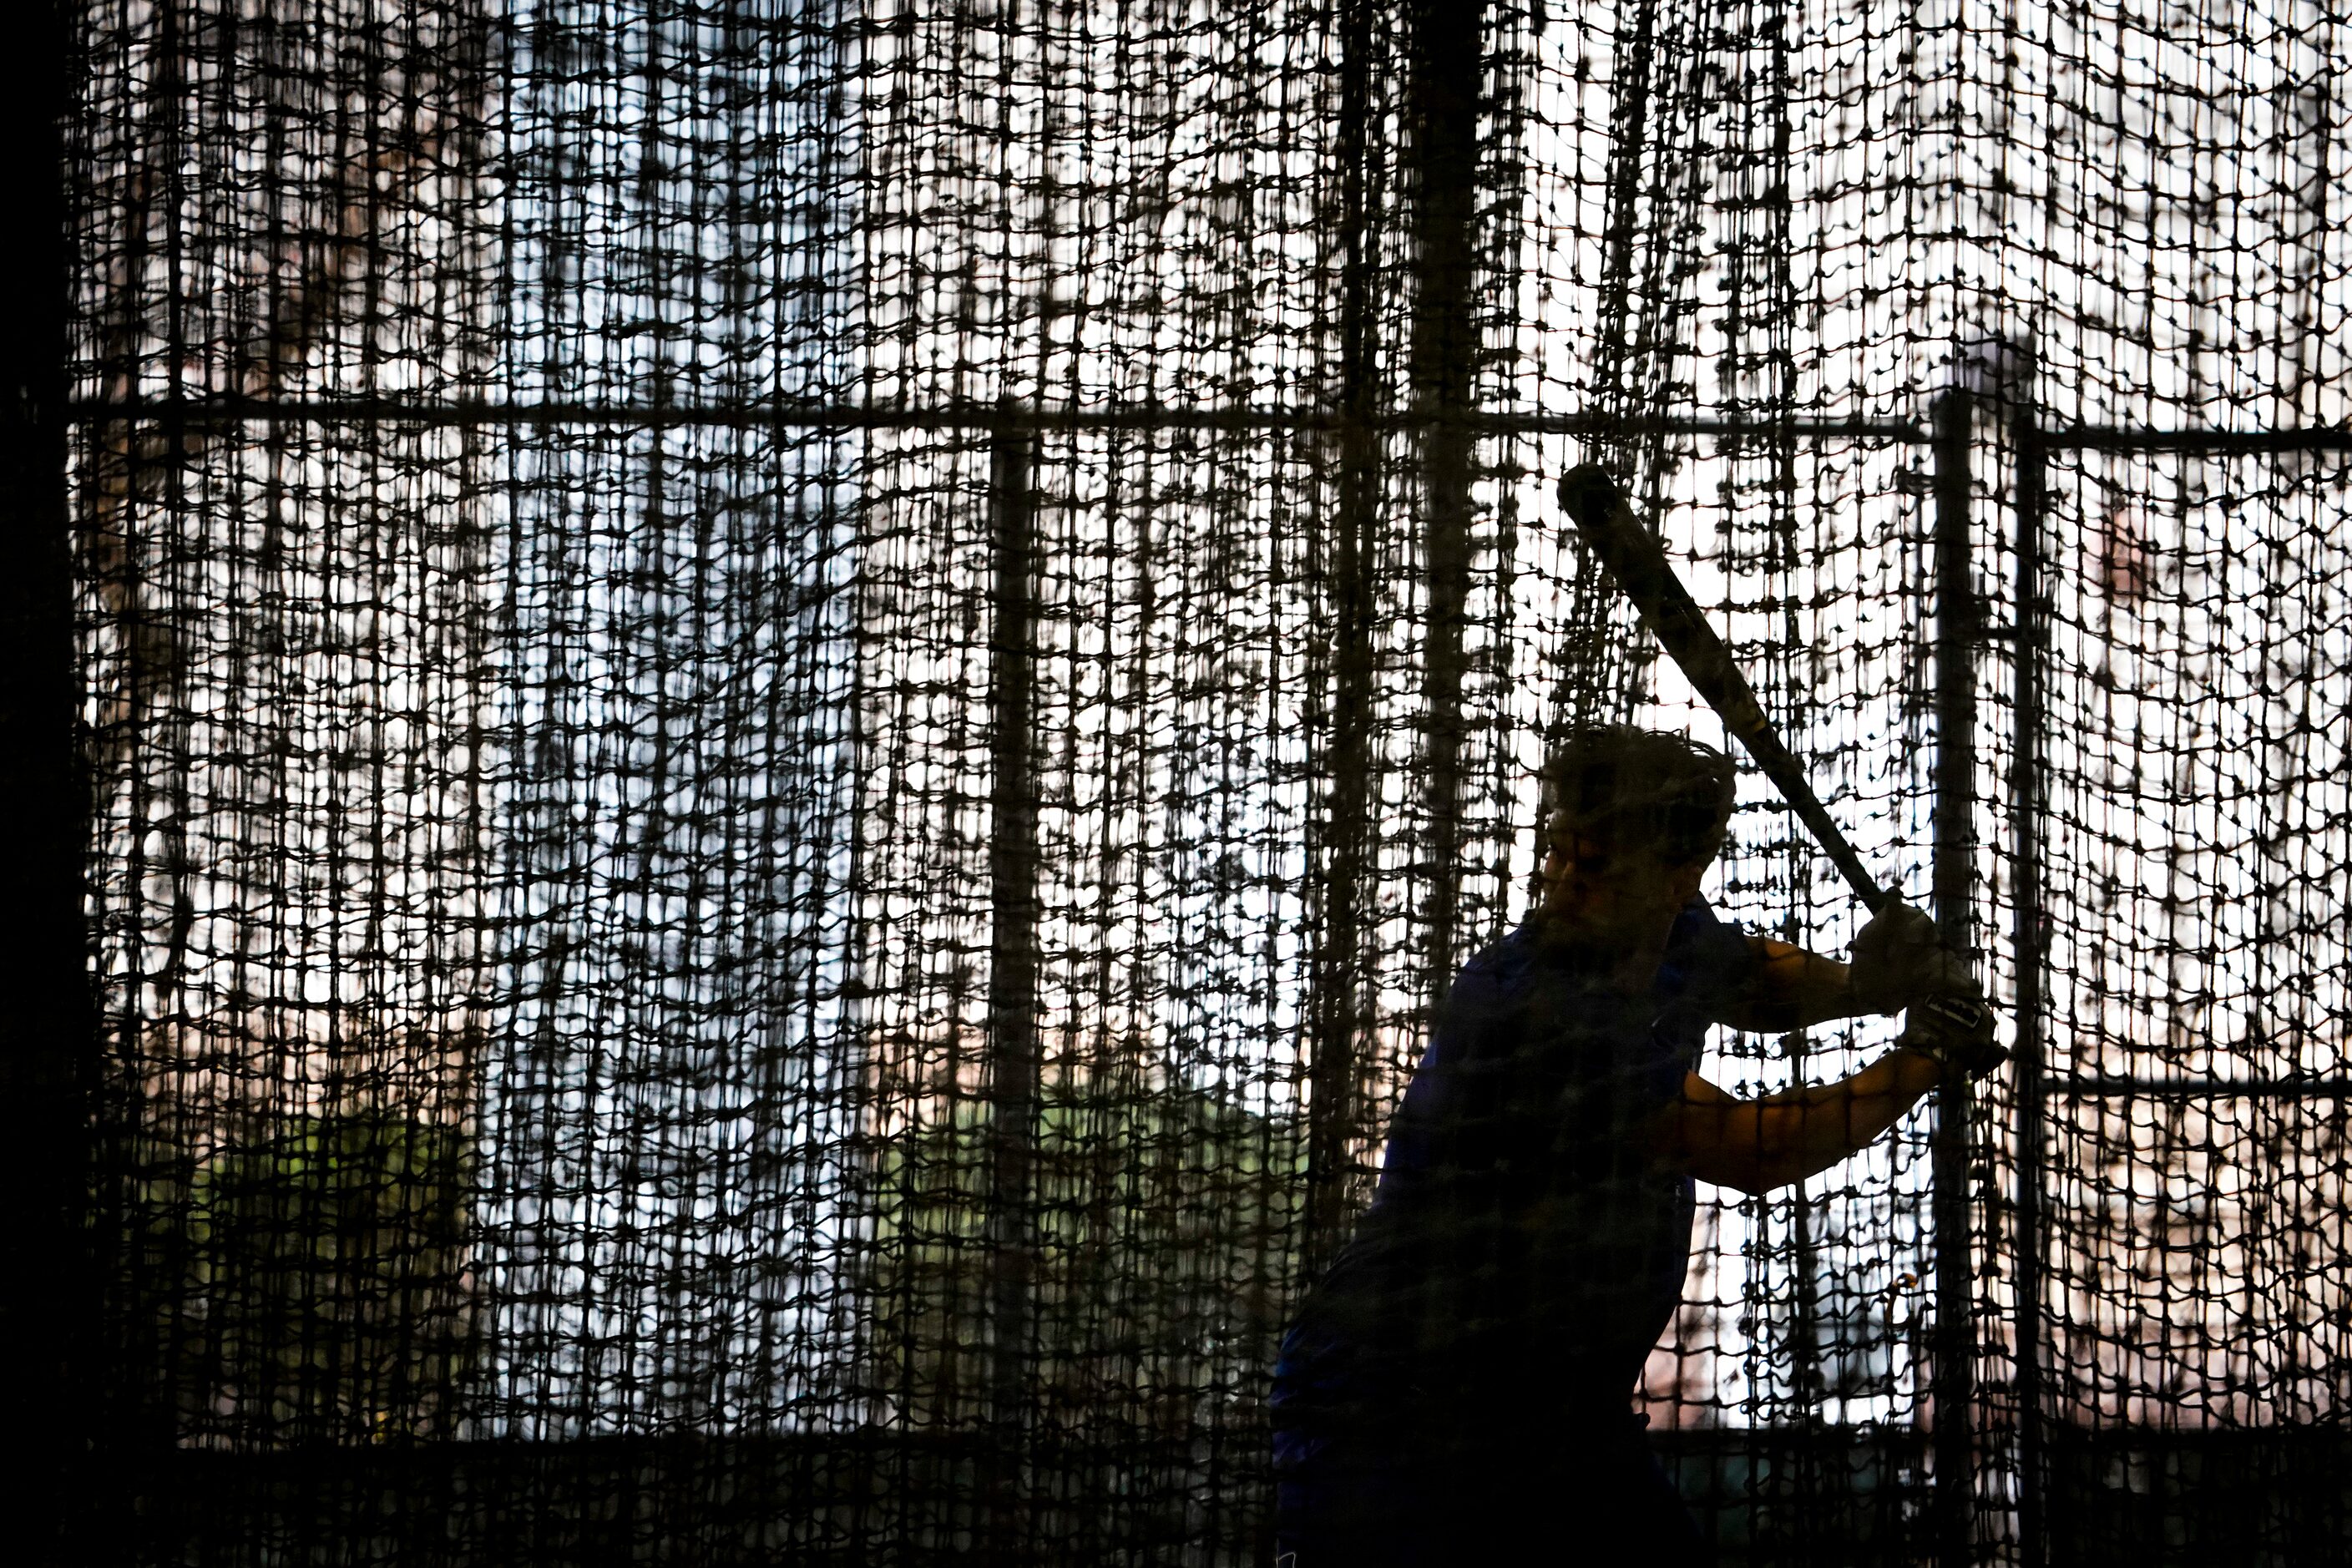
1631, 819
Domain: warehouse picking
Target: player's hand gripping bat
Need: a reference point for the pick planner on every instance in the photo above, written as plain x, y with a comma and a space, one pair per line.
1959, 1024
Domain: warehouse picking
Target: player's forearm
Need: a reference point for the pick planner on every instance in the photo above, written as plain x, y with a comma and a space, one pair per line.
1791, 988
1759, 1144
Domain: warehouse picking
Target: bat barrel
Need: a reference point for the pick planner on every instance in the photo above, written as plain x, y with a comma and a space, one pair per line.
1638, 565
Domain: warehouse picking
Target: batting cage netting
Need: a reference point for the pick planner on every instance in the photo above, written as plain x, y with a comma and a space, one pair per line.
792, 710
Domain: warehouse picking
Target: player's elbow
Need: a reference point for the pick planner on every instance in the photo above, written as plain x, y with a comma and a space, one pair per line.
1752, 1173
1752, 1147
1758, 1183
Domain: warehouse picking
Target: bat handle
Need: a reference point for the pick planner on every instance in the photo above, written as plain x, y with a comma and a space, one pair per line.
1763, 743
1874, 895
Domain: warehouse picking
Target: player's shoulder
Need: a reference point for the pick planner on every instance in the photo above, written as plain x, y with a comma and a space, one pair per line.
1511, 953
1705, 947
1698, 922
1498, 971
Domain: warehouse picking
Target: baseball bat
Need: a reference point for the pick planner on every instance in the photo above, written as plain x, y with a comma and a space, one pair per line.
1638, 565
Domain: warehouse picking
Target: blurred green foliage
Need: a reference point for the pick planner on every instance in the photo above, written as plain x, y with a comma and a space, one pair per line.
1161, 1230
307, 1283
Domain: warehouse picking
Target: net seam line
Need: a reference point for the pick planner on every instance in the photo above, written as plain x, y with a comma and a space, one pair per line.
2080, 437
2190, 1088
106, 411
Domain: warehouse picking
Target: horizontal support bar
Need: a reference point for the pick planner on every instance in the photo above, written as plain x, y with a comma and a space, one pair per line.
850, 416
1135, 417
2201, 1088
2120, 438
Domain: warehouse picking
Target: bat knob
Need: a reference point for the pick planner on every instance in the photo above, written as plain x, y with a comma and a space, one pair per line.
1588, 495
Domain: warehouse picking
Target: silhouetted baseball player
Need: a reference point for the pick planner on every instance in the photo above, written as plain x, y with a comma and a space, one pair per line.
1456, 1389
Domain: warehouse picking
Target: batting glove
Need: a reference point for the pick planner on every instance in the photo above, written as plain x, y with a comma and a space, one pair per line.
1899, 959
1954, 1030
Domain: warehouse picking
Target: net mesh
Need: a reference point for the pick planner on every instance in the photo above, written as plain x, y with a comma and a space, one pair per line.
794, 707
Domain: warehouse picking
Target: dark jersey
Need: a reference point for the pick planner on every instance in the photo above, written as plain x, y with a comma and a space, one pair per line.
1522, 1244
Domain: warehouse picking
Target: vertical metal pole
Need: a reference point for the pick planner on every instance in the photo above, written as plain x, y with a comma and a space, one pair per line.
2026, 820
1447, 47
1012, 906
48, 1043
1958, 635
1336, 1025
